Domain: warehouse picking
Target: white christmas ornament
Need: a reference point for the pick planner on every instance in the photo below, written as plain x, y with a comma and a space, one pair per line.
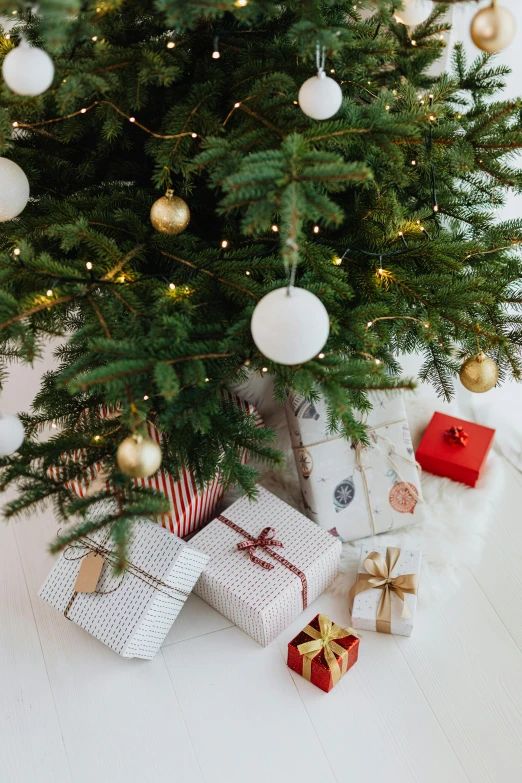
290, 325
28, 70
320, 97
11, 434
413, 12
14, 189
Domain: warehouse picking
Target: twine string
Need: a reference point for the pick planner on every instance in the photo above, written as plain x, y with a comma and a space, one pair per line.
100, 549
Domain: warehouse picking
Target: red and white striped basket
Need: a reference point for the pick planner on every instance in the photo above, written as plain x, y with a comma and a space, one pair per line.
191, 507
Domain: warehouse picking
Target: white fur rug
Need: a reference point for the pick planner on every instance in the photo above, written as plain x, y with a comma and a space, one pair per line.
451, 538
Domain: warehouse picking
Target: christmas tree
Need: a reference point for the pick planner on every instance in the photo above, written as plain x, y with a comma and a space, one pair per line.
385, 211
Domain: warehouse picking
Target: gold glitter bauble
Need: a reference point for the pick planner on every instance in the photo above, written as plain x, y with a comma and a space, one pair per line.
479, 373
493, 28
170, 214
138, 456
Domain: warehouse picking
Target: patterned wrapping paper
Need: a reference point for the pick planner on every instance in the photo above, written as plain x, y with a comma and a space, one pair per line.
356, 492
135, 618
317, 670
364, 611
191, 506
264, 601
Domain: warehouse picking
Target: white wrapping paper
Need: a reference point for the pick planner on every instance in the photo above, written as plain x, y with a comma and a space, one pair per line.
264, 602
364, 614
135, 618
352, 492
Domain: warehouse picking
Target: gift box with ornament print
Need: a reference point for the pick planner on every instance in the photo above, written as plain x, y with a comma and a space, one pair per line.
355, 491
268, 562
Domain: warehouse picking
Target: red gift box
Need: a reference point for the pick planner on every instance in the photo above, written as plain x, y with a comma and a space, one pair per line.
439, 452
323, 652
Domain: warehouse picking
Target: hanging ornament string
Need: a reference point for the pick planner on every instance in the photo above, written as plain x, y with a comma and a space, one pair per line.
320, 58
291, 266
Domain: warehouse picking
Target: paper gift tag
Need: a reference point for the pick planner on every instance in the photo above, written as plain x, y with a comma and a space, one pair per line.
89, 573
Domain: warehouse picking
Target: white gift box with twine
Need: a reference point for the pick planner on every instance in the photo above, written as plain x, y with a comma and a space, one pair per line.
357, 491
132, 613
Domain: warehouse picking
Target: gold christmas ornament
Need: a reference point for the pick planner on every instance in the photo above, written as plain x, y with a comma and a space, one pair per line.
493, 28
170, 214
479, 373
138, 456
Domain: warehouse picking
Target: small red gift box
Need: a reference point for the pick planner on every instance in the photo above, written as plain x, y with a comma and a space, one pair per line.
445, 451
323, 652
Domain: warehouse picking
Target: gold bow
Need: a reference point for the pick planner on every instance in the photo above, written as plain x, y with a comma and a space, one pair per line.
379, 576
324, 639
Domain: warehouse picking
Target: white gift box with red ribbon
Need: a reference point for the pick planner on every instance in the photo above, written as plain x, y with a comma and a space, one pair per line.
267, 563
356, 491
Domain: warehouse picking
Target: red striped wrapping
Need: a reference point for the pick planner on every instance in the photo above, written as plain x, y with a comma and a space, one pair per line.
191, 507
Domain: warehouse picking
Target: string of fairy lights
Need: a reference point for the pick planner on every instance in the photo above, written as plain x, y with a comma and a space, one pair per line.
313, 102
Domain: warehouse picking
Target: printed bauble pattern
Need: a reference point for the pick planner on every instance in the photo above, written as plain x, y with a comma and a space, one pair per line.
338, 492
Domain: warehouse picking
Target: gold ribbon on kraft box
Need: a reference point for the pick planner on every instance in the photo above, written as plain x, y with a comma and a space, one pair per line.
324, 639
379, 577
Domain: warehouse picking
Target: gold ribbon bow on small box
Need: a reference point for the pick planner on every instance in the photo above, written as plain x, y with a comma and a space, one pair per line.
324, 639
380, 577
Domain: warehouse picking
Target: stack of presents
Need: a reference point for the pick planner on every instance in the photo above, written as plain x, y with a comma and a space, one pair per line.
262, 563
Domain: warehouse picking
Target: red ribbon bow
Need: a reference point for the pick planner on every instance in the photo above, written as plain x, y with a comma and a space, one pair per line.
264, 541
457, 436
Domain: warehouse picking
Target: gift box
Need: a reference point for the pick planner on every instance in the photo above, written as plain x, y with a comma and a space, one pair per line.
352, 490
323, 652
384, 596
132, 613
455, 448
267, 563
191, 505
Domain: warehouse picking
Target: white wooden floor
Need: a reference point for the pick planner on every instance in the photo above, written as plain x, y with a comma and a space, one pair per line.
444, 705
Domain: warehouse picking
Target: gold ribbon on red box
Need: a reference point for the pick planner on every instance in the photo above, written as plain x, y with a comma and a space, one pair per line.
325, 639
